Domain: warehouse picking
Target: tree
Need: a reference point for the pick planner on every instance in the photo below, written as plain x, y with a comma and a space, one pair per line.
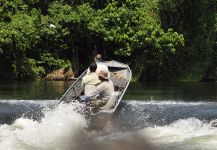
195, 20
133, 29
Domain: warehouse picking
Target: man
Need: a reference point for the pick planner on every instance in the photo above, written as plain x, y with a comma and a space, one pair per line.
98, 58
103, 91
91, 80
100, 65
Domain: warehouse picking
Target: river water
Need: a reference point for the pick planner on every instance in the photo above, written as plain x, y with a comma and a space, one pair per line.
164, 116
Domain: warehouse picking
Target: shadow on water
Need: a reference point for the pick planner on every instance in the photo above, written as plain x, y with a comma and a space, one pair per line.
128, 142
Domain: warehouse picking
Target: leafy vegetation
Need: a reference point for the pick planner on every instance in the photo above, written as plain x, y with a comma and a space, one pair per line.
160, 40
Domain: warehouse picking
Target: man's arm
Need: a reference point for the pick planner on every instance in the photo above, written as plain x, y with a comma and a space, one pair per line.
97, 90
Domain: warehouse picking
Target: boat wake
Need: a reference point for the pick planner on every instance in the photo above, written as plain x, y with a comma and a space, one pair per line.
167, 125
172, 125
60, 128
141, 114
63, 127
189, 134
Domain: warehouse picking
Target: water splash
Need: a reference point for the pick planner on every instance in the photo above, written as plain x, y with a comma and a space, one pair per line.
166, 124
140, 114
60, 128
191, 134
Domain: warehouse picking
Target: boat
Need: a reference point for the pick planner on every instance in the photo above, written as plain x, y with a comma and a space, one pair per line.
120, 74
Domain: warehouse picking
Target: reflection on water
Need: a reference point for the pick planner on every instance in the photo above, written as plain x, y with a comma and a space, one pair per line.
33, 90
187, 91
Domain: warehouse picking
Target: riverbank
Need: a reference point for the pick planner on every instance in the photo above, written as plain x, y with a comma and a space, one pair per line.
62, 74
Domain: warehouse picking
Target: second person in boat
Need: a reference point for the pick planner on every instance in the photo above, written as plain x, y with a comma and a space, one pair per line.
103, 91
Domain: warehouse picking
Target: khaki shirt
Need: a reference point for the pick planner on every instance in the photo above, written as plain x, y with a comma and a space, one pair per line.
103, 91
89, 83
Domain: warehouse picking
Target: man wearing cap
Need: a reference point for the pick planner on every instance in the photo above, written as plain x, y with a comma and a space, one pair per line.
103, 91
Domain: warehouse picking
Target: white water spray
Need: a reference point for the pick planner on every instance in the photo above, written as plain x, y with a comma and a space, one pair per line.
60, 128
190, 134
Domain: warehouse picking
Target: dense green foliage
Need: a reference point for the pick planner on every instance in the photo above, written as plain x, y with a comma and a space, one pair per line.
160, 40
